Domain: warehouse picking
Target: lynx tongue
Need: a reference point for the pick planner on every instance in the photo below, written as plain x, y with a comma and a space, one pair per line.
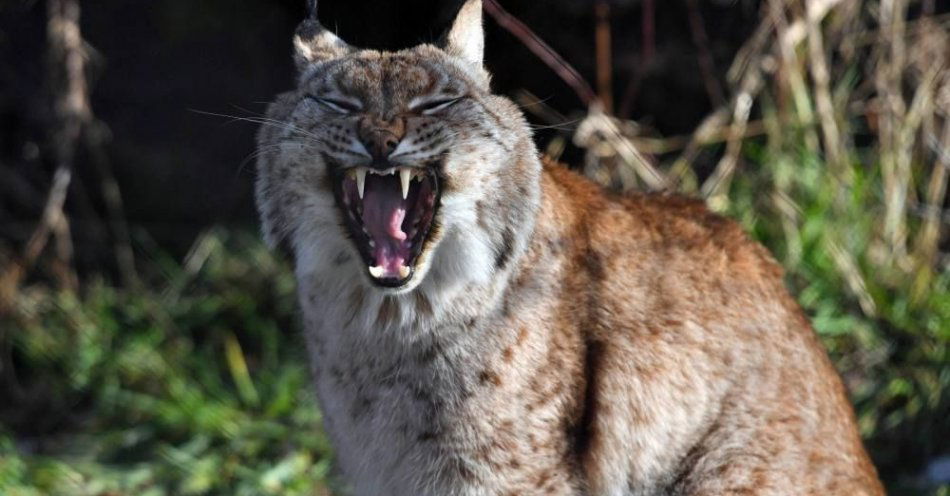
384, 209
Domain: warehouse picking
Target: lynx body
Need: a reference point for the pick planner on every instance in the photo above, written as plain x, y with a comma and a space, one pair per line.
480, 323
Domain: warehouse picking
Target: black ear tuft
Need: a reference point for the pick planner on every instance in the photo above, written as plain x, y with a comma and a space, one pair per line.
312, 9
313, 43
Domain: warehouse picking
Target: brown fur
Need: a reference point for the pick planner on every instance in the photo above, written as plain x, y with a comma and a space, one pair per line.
683, 264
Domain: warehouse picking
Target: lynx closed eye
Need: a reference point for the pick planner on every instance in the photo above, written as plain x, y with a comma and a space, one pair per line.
435, 105
336, 105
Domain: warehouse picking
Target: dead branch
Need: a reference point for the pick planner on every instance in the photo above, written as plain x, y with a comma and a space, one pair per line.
603, 55
717, 183
542, 50
53, 221
706, 65
70, 108
600, 129
820, 76
73, 125
67, 82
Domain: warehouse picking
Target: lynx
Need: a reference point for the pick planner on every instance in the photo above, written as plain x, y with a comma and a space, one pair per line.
480, 322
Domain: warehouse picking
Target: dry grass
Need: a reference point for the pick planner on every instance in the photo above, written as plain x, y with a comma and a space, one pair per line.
836, 74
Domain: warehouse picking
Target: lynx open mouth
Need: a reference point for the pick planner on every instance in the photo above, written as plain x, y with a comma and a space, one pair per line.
389, 214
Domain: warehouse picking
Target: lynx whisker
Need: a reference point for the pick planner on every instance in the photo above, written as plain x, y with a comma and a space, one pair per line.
283, 125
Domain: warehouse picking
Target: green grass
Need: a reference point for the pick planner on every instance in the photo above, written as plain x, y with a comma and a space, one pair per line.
198, 386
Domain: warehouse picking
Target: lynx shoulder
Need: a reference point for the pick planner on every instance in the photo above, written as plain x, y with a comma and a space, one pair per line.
481, 323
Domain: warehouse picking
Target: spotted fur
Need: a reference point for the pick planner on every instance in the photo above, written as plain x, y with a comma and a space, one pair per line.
554, 339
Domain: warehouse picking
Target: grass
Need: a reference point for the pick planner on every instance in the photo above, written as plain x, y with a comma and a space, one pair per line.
195, 383
197, 386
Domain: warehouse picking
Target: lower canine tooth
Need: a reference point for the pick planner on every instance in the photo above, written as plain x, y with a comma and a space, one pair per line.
403, 271
377, 271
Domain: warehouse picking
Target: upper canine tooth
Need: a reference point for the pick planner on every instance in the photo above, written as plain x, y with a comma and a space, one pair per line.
360, 180
405, 175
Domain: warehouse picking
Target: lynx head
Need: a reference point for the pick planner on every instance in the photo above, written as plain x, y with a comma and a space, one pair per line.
386, 166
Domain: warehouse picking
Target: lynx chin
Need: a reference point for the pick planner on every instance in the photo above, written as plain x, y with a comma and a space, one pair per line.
480, 322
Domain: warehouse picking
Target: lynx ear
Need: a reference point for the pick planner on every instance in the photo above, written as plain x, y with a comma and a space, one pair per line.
466, 38
314, 43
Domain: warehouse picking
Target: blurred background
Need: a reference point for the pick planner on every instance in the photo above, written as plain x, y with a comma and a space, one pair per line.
149, 342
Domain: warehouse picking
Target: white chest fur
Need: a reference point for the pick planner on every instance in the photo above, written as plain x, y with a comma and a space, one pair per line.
425, 393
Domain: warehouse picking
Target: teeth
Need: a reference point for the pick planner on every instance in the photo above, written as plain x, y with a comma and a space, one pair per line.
360, 180
377, 271
406, 176
403, 271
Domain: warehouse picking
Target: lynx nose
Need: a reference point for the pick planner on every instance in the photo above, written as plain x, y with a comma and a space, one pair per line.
381, 137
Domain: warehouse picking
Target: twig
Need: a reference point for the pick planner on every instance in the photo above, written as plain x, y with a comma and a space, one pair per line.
717, 183
707, 133
67, 81
819, 73
751, 52
112, 196
542, 50
70, 106
76, 125
893, 108
648, 27
710, 136
537, 107
603, 55
598, 127
647, 49
928, 238
788, 39
682, 166
52, 221
848, 268
911, 28
706, 65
